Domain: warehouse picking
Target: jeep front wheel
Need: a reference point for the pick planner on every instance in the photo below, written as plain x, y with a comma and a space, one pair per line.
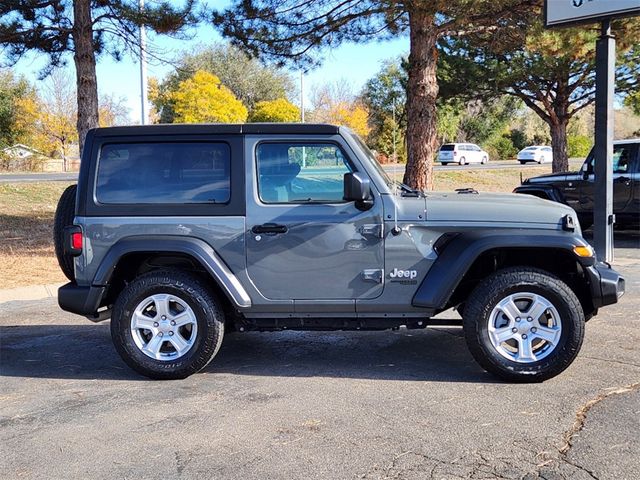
167, 325
523, 325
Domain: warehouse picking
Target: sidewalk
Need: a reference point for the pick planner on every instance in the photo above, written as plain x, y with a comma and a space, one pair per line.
31, 292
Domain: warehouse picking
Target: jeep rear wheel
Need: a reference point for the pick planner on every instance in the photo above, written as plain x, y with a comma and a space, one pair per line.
523, 325
167, 325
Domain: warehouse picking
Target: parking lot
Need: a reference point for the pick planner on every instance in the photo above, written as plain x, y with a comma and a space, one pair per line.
404, 404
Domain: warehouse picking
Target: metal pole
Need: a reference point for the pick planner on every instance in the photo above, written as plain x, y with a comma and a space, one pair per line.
603, 181
393, 110
143, 70
301, 96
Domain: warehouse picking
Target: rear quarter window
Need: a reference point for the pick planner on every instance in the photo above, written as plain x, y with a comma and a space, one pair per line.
164, 173
447, 148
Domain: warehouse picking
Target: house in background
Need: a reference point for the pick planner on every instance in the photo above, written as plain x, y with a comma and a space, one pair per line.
21, 157
20, 152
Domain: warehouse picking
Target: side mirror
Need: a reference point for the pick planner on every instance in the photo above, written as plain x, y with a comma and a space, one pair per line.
586, 170
357, 188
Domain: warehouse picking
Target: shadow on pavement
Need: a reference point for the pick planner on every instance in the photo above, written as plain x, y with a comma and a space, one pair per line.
86, 352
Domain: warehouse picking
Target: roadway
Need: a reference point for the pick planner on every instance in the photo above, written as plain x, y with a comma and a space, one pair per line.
72, 176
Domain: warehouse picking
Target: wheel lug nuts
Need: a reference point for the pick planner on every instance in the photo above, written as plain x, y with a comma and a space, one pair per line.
517, 319
529, 319
163, 317
534, 329
170, 334
514, 329
160, 334
172, 322
155, 324
524, 336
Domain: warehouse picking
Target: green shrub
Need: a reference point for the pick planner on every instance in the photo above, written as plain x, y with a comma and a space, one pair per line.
519, 139
578, 146
504, 148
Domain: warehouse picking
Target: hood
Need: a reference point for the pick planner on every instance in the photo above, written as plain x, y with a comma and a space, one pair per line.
494, 208
552, 177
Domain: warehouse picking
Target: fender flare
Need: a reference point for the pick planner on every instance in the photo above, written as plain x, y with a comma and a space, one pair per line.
194, 247
549, 191
459, 250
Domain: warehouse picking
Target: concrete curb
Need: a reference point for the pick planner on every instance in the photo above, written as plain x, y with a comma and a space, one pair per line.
31, 292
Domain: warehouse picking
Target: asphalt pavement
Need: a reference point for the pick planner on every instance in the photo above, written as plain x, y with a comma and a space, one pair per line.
73, 176
410, 404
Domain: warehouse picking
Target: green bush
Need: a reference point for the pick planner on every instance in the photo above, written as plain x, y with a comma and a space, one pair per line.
578, 146
519, 139
504, 148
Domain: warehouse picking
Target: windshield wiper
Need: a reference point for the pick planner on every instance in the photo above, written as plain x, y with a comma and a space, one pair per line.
306, 200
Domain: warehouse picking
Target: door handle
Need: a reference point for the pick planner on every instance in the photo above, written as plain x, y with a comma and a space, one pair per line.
625, 180
269, 228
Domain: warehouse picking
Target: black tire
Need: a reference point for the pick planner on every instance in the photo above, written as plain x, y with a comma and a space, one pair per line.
463, 161
65, 211
205, 306
522, 162
506, 282
484, 160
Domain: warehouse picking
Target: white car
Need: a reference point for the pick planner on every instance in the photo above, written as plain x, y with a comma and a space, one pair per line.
535, 153
462, 154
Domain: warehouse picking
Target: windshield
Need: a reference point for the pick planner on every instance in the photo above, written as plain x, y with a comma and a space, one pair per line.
372, 160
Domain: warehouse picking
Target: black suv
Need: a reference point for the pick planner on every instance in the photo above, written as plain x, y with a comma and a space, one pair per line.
576, 189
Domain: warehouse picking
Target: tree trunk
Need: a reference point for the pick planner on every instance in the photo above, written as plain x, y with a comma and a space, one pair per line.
422, 91
559, 146
85, 61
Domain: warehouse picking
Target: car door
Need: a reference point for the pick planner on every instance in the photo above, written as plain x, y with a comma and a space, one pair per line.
624, 159
475, 151
303, 241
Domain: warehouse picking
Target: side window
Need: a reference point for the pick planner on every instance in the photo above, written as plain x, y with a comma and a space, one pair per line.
622, 158
301, 173
164, 173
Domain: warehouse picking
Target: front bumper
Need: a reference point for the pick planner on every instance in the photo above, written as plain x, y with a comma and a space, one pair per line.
607, 285
80, 300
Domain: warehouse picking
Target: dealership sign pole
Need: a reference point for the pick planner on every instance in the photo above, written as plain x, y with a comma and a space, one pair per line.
560, 13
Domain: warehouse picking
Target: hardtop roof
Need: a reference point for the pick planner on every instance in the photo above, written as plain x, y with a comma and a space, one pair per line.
219, 129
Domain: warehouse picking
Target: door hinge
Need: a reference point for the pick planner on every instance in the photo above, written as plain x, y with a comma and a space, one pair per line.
374, 275
371, 230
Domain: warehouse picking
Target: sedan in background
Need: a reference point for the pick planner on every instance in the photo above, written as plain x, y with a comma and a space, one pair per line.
462, 154
535, 153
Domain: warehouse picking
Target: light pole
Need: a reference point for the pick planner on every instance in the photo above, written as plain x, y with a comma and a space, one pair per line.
143, 69
301, 96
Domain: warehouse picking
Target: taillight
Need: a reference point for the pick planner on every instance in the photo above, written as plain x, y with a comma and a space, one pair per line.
73, 242
76, 240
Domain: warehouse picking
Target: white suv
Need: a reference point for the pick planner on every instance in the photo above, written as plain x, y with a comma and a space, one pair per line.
462, 153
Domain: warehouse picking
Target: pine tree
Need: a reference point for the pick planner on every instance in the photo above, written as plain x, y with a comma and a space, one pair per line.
84, 30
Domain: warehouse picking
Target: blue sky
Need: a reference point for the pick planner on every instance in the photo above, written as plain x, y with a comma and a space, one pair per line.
355, 63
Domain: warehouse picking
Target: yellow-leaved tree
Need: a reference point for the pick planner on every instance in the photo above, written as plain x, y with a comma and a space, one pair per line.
352, 115
280, 110
203, 98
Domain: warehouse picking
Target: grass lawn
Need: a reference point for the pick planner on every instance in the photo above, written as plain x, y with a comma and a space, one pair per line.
26, 226
27, 209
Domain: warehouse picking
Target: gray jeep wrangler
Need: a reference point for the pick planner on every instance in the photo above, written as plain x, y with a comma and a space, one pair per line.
179, 233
